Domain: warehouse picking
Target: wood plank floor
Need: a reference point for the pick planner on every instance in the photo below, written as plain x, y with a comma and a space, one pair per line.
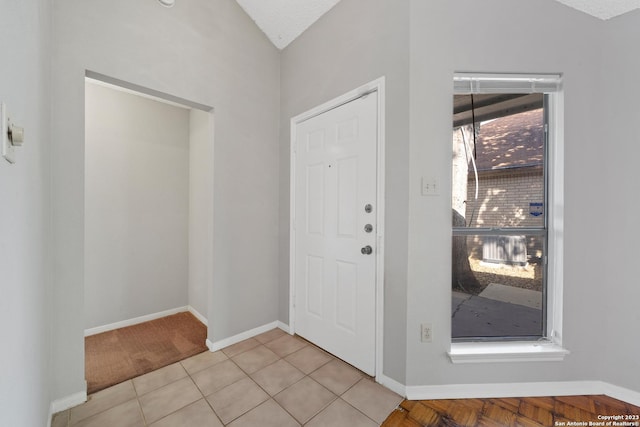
515, 412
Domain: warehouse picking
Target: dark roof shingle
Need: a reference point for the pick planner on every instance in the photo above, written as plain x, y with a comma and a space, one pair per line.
511, 141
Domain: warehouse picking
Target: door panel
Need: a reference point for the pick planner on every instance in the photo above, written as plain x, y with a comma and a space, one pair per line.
335, 283
315, 276
347, 187
346, 295
315, 199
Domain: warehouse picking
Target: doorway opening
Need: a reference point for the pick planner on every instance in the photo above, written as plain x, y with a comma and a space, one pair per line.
148, 206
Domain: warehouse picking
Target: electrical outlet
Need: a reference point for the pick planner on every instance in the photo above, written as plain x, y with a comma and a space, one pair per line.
426, 332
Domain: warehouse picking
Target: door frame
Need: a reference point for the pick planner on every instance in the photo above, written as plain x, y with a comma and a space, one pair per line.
378, 86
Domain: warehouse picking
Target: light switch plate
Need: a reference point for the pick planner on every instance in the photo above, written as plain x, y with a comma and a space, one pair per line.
426, 332
8, 150
430, 186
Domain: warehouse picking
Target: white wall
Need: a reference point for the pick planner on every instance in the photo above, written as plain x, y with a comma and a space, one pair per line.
206, 51
354, 43
136, 206
525, 36
25, 285
335, 55
200, 209
619, 289
210, 52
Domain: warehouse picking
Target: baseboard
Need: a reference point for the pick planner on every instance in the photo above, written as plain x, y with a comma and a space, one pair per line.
487, 391
389, 383
65, 403
218, 345
134, 321
468, 391
392, 384
284, 327
197, 315
621, 393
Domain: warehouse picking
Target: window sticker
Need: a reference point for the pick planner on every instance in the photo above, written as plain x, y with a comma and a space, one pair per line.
535, 208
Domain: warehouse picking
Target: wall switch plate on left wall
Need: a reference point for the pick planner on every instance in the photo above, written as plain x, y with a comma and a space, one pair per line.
12, 136
8, 150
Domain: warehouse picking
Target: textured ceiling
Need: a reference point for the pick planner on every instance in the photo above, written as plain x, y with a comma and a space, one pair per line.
284, 20
603, 9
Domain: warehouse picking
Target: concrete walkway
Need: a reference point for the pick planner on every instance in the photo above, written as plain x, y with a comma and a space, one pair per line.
497, 312
513, 295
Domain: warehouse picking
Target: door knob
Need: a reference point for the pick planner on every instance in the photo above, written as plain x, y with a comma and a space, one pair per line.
367, 250
368, 228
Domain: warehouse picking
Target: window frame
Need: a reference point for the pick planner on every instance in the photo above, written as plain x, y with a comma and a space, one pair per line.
549, 347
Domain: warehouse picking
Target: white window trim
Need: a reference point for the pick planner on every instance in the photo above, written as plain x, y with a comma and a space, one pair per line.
550, 349
491, 352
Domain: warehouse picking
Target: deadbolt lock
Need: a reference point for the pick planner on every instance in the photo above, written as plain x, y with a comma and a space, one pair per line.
368, 208
368, 228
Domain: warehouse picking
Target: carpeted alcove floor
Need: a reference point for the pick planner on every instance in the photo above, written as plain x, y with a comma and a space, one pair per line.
116, 356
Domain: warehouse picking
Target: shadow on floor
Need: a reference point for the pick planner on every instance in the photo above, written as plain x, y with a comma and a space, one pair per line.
477, 316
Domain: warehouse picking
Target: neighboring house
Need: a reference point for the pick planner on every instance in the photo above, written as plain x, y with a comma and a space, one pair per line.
509, 161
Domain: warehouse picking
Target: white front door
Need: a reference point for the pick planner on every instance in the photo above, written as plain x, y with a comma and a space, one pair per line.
335, 228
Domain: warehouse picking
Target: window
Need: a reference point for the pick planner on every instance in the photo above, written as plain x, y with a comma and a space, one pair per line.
506, 216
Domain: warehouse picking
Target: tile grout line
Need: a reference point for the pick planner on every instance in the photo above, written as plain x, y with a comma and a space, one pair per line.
199, 390
332, 358
135, 389
190, 375
307, 344
268, 394
230, 358
348, 403
144, 418
290, 385
305, 375
337, 396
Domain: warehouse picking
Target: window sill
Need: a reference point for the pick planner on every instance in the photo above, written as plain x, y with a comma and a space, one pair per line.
474, 352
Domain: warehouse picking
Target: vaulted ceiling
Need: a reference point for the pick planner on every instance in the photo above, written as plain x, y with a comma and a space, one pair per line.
603, 9
284, 20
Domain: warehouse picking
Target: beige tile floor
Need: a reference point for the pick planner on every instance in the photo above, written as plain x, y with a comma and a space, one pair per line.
274, 379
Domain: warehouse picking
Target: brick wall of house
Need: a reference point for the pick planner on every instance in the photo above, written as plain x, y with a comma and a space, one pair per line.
504, 199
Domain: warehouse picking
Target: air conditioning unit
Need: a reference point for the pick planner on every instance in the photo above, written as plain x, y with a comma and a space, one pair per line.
511, 250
